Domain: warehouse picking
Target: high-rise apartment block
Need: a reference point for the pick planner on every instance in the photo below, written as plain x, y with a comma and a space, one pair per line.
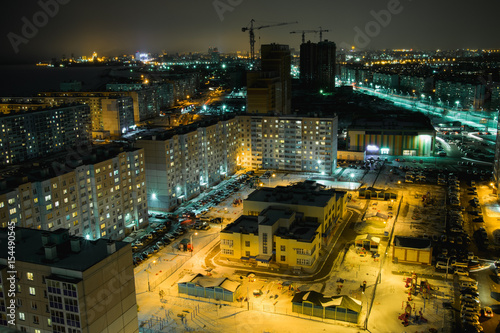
181, 162
460, 94
317, 65
31, 134
270, 89
95, 193
146, 101
288, 143
67, 284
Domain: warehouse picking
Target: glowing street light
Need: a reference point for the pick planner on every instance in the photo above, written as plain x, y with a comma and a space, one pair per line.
270, 179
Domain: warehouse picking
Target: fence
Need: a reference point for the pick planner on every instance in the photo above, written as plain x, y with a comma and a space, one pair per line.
202, 242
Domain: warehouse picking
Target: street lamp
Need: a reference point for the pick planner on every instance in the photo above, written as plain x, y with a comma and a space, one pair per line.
447, 265
274, 175
192, 248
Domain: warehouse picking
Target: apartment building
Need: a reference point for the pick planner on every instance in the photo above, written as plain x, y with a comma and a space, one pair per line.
114, 115
317, 65
101, 193
286, 226
67, 284
460, 94
270, 89
35, 133
288, 143
146, 102
181, 162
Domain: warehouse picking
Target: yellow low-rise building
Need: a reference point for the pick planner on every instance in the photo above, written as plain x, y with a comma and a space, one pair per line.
277, 235
319, 205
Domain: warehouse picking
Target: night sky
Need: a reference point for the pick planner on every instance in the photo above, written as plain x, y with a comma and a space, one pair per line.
123, 27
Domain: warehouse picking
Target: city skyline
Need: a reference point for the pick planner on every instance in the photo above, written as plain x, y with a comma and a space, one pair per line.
64, 27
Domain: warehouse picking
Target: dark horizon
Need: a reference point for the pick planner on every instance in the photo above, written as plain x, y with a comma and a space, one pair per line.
80, 28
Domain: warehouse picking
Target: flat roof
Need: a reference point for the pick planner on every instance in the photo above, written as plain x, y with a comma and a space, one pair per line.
299, 230
184, 129
392, 121
273, 214
55, 164
412, 242
40, 110
30, 249
308, 193
245, 224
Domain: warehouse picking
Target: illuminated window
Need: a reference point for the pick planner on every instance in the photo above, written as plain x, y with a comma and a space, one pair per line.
32, 291
29, 276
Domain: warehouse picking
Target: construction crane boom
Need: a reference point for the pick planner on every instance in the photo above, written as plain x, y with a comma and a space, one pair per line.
304, 32
251, 29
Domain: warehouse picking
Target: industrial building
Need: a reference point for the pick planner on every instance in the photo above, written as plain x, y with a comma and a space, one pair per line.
392, 134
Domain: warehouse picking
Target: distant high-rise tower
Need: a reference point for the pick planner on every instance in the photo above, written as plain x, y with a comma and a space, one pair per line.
214, 54
269, 90
317, 65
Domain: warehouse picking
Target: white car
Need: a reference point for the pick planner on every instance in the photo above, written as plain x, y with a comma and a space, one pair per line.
461, 271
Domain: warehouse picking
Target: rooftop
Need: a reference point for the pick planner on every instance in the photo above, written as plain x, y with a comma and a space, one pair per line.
299, 230
40, 110
185, 129
244, 224
79, 256
319, 299
392, 121
50, 166
412, 242
308, 193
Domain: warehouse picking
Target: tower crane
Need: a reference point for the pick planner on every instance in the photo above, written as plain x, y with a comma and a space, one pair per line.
251, 29
304, 32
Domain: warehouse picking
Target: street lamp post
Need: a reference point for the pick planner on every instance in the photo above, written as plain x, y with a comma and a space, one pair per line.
447, 264
274, 175
192, 248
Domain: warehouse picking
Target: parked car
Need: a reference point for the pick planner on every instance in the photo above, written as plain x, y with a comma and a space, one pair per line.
470, 308
216, 220
488, 312
461, 271
469, 297
442, 265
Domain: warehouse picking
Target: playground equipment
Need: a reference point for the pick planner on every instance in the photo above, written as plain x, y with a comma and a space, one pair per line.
406, 315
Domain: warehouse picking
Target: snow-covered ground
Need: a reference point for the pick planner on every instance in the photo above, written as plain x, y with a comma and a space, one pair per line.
383, 300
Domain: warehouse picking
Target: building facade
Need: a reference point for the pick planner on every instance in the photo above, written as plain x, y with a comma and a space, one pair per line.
68, 284
146, 102
317, 65
461, 95
392, 135
182, 162
32, 134
270, 89
288, 143
102, 195
284, 225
